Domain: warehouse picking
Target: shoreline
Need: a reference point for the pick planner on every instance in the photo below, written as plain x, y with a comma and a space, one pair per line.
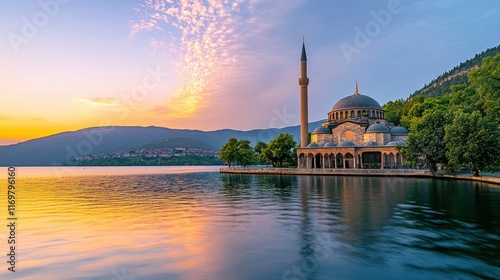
355, 172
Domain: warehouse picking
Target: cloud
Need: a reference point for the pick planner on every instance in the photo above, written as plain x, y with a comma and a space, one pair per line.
100, 101
217, 48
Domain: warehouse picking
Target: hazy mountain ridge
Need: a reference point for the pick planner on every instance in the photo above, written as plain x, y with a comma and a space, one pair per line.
59, 148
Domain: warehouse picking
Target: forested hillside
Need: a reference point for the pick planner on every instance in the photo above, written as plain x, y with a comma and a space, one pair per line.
458, 75
459, 127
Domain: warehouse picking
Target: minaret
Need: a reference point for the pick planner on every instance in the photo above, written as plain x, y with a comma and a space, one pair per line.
303, 82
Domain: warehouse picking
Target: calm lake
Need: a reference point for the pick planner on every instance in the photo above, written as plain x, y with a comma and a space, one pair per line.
121, 223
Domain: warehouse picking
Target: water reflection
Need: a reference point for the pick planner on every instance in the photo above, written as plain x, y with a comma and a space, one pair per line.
212, 226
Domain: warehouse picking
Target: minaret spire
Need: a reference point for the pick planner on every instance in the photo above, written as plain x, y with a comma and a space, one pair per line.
357, 92
303, 82
303, 56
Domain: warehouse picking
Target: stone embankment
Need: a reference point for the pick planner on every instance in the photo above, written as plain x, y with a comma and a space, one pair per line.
353, 172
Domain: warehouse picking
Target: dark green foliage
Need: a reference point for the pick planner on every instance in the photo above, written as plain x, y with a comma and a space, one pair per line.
229, 152
237, 151
473, 141
280, 151
425, 145
472, 138
394, 111
487, 81
259, 147
245, 155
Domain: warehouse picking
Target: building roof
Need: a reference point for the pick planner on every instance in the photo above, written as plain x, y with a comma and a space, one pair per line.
370, 144
377, 128
322, 130
357, 101
330, 144
395, 143
399, 131
346, 144
313, 145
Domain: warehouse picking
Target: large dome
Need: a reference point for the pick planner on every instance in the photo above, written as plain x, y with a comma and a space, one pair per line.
357, 101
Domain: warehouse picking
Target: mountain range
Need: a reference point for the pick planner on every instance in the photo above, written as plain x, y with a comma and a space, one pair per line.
58, 148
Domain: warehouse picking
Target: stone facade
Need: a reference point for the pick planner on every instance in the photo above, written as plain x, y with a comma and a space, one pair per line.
356, 135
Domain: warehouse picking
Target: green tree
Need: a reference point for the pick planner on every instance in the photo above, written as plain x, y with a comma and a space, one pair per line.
229, 152
394, 111
473, 141
259, 148
425, 144
465, 98
279, 151
487, 81
245, 154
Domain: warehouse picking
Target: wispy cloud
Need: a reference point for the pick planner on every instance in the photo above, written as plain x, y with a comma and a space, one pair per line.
100, 101
201, 52
209, 44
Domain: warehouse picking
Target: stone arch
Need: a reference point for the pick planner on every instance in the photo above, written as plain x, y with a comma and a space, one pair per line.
399, 161
310, 160
332, 160
318, 161
326, 160
339, 160
349, 160
302, 161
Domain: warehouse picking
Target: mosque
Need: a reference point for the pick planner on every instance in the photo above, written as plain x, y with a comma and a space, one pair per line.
356, 135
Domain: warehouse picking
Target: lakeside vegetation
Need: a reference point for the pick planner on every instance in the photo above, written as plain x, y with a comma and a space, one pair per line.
280, 152
459, 129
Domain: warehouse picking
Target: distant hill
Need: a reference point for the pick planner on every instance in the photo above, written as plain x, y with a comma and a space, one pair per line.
178, 142
458, 75
59, 148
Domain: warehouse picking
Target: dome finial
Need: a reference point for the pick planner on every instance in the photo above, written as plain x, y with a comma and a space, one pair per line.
357, 92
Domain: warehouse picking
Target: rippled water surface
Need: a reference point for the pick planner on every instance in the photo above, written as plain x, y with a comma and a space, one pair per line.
194, 223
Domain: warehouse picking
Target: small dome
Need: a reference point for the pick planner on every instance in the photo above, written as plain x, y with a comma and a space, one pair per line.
356, 101
313, 145
377, 128
399, 131
346, 144
371, 144
322, 130
330, 144
395, 143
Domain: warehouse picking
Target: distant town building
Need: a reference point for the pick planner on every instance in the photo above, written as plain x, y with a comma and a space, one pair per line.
356, 135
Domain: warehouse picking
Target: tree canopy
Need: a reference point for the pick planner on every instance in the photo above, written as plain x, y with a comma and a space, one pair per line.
473, 141
280, 151
450, 128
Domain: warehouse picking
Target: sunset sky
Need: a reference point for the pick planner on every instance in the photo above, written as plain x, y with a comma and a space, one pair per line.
214, 64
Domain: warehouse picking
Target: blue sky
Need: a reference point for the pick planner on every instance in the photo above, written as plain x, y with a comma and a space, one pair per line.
212, 64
